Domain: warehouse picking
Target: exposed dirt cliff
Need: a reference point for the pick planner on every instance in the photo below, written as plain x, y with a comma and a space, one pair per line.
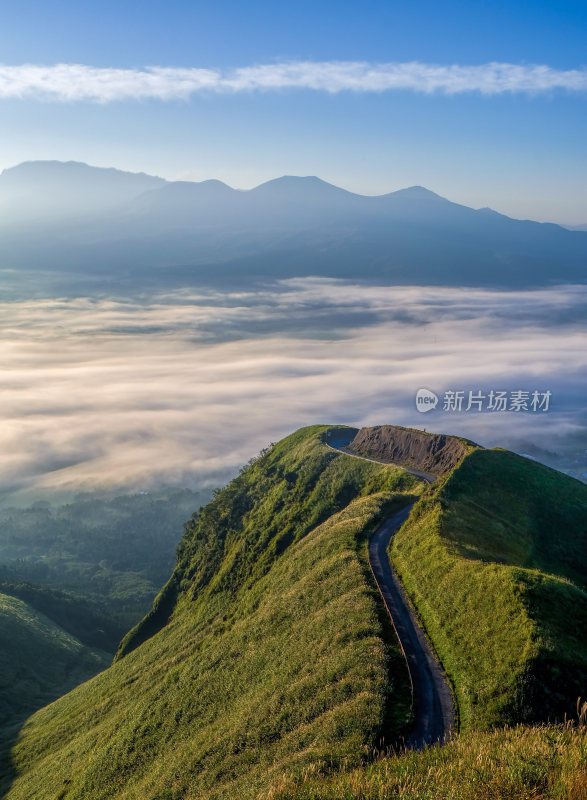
433, 453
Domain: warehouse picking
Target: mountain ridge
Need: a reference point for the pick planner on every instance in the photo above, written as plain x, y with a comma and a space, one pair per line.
265, 654
41, 169
183, 233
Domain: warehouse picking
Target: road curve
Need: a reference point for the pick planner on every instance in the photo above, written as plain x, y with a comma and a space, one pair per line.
433, 705
432, 700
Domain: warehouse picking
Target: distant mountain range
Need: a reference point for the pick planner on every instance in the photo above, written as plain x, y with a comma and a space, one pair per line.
50, 190
72, 216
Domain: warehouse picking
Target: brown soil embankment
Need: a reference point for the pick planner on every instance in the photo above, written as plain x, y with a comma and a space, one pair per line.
433, 453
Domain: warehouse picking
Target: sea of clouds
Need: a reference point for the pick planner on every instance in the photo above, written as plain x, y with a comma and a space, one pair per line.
182, 388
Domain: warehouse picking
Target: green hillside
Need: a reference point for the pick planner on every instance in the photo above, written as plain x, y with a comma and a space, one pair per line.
38, 660
84, 620
494, 561
265, 650
266, 658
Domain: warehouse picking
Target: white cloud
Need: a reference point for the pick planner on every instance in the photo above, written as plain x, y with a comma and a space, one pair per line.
71, 82
111, 393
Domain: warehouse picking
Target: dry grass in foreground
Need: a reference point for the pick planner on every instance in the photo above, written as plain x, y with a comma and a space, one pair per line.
520, 763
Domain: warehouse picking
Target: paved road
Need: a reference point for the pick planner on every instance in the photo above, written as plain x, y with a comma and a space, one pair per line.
432, 699
433, 706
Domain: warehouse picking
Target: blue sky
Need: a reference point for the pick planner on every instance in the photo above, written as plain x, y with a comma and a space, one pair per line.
523, 153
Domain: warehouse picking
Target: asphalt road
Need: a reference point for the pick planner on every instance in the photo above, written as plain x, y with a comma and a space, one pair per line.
433, 705
432, 699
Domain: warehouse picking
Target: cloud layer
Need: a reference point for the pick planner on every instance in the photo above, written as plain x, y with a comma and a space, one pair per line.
74, 82
184, 388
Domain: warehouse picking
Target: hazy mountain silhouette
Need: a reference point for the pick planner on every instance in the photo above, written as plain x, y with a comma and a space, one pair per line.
76, 217
53, 189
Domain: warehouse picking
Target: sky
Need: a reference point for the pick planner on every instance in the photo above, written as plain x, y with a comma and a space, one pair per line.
372, 96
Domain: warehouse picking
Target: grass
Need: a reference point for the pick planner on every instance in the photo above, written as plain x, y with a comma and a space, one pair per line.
264, 654
38, 660
521, 763
264, 668
493, 560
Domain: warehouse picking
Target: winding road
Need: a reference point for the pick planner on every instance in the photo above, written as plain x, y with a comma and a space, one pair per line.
432, 699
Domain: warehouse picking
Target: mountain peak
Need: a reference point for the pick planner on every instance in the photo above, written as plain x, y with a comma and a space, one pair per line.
418, 193
295, 180
69, 169
299, 186
489, 211
195, 187
46, 165
36, 190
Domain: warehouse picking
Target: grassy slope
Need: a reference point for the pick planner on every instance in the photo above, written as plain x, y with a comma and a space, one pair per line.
522, 763
38, 659
272, 655
494, 562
